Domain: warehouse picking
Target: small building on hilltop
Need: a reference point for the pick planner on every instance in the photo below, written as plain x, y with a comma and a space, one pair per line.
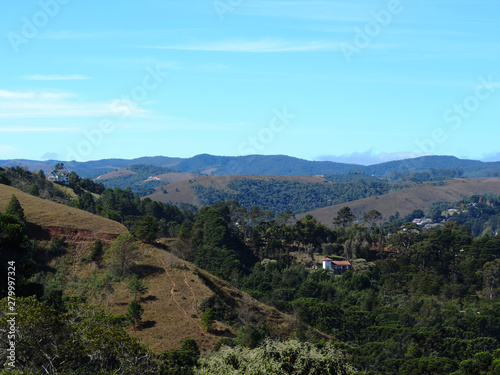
338, 266
60, 175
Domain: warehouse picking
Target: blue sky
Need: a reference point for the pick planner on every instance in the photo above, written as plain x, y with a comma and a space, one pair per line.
360, 81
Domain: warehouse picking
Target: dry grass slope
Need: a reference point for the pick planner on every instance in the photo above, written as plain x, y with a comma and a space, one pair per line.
60, 218
171, 305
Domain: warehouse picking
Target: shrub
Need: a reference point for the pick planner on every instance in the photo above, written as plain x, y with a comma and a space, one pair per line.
275, 357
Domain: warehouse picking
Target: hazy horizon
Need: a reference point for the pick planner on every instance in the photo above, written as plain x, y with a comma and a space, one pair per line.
340, 159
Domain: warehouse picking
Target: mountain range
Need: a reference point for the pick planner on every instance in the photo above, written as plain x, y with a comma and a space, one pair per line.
279, 165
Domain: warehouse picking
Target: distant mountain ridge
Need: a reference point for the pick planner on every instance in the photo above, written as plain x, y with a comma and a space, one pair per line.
279, 165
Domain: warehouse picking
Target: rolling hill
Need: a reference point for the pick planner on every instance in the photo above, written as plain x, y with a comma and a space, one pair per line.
184, 191
407, 200
47, 218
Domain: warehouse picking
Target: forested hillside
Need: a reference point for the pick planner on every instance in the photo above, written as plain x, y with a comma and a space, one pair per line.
280, 196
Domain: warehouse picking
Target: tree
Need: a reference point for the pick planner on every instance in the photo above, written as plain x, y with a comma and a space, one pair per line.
137, 287
134, 313
180, 361
283, 218
58, 166
491, 276
147, 229
344, 218
97, 251
73, 179
14, 208
358, 244
80, 339
249, 336
123, 254
208, 319
34, 190
371, 216
12, 232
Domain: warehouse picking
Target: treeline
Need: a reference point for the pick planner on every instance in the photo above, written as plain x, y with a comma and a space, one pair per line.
126, 207
432, 174
280, 196
351, 177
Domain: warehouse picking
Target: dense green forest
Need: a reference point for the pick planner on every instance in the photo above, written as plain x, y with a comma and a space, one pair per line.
416, 302
280, 196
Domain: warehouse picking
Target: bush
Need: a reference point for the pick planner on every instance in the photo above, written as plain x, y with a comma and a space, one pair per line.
208, 319
275, 357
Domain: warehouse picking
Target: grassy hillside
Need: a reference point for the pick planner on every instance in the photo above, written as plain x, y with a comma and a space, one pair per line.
171, 307
417, 197
176, 289
61, 219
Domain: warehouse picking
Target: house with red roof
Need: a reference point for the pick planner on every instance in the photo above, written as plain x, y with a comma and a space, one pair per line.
337, 266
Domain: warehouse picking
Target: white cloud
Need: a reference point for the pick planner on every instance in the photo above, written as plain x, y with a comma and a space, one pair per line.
111, 34
36, 129
5, 94
254, 46
59, 105
55, 77
12, 95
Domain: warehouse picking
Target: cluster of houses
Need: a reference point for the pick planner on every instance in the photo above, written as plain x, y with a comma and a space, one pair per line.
426, 223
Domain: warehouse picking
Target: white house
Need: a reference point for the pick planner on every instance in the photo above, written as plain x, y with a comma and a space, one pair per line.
339, 266
61, 175
327, 264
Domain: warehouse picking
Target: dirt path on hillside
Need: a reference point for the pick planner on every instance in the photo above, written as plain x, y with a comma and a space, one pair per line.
172, 289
